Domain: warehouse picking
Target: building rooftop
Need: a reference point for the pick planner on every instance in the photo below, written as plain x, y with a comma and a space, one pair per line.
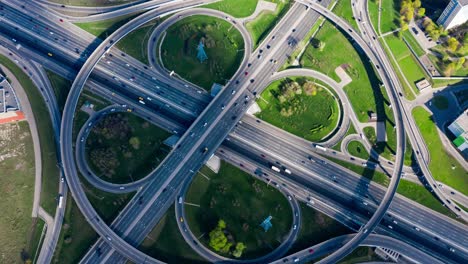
463, 2
462, 120
423, 84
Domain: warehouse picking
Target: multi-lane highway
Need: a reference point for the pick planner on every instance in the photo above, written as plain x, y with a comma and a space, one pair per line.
67, 153
92, 14
414, 135
103, 76
187, 165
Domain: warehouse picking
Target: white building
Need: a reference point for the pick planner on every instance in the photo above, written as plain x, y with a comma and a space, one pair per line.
459, 129
456, 13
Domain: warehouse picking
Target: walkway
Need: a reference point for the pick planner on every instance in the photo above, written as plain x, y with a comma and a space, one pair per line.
261, 7
27, 110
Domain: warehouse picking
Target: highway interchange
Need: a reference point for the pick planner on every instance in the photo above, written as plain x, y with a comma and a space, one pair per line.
184, 114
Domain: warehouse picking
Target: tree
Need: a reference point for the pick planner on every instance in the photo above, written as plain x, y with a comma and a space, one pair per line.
417, 3
218, 239
221, 224
226, 248
404, 26
310, 88
239, 249
135, 142
460, 63
449, 69
421, 12
452, 44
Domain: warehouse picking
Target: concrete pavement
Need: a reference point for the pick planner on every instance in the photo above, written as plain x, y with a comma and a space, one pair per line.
27, 110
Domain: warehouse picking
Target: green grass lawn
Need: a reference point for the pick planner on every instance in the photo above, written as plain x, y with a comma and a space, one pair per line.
373, 7
236, 8
441, 102
50, 172
408, 36
351, 130
102, 29
357, 149
421, 195
243, 202
92, 2
261, 26
17, 185
387, 149
408, 64
443, 166
98, 102
76, 236
107, 205
316, 227
314, 116
135, 44
361, 255
390, 14
61, 88
80, 117
166, 243
121, 160
345, 11
224, 47
364, 91
437, 83
302, 44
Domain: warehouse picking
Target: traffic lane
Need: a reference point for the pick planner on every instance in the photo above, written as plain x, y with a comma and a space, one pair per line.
333, 214
84, 205
333, 244
369, 207
414, 135
375, 219
357, 185
117, 57
401, 227
214, 106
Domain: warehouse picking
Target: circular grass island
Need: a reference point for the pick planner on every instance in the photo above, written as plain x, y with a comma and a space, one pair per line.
300, 106
223, 45
243, 203
123, 148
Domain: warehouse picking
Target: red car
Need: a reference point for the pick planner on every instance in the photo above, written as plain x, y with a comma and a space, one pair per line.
246, 73
61, 20
311, 251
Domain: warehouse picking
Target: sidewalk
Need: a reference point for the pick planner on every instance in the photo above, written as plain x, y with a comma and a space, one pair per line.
26, 107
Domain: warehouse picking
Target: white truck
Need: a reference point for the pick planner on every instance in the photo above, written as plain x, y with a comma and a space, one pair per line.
320, 148
60, 201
